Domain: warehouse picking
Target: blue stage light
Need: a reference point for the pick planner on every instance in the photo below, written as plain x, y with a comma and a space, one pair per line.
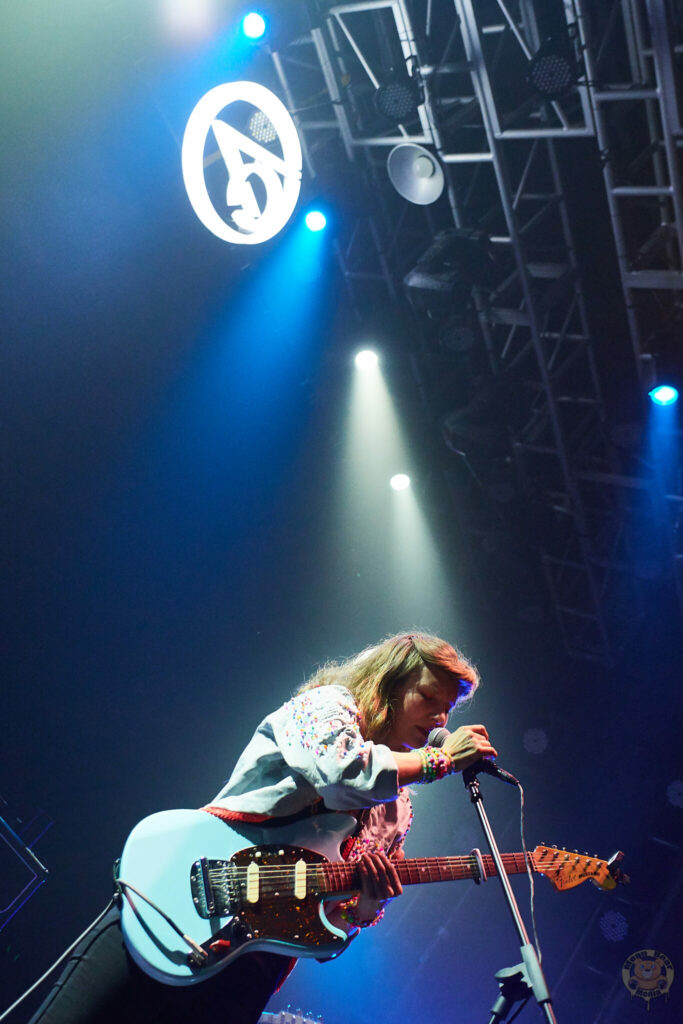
664, 394
253, 25
315, 220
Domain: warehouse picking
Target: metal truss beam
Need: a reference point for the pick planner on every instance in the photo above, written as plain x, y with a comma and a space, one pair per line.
633, 56
497, 141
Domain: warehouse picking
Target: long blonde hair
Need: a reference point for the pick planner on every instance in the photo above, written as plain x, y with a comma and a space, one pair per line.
374, 675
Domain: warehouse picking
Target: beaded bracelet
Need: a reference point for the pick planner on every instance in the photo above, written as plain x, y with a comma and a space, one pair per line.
436, 764
348, 914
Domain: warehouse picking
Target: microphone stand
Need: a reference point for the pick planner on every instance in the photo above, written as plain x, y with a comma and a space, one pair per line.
526, 979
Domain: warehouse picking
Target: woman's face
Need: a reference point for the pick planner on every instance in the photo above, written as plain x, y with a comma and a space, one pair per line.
423, 702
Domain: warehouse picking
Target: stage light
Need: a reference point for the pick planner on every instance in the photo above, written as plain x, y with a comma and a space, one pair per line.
315, 220
187, 20
442, 279
552, 70
614, 926
253, 25
399, 482
261, 128
366, 360
664, 394
398, 96
415, 173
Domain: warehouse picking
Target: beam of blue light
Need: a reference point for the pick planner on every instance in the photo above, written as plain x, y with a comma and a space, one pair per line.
664, 394
221, 438
315, 220
253, 25
238, 402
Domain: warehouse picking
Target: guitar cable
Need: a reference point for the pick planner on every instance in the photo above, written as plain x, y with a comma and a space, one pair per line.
198, 953
60, 959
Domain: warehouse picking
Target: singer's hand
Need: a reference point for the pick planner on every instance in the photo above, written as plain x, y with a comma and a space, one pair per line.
468, 744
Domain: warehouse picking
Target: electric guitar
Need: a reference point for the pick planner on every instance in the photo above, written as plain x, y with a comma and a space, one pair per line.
197, 892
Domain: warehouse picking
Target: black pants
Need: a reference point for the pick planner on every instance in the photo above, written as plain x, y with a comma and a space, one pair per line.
101, 984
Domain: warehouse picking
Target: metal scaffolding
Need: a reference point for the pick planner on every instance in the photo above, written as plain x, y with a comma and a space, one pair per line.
506, 149
633, 51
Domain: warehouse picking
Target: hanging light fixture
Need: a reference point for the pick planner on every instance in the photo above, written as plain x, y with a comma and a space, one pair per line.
553, 71
415, 173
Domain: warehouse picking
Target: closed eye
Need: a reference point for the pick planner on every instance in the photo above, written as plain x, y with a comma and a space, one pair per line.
432, 698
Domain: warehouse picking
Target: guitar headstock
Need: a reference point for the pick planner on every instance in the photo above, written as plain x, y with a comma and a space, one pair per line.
566, 870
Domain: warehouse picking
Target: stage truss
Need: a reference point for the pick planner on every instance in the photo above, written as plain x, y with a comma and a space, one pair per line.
553, 474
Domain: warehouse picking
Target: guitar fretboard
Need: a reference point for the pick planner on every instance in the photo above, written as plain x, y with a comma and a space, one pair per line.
562, 868
340, 877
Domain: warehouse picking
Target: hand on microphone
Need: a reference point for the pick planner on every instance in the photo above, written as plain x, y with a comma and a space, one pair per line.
468, 744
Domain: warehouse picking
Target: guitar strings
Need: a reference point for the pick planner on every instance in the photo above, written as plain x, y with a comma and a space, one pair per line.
407, 865
342, 872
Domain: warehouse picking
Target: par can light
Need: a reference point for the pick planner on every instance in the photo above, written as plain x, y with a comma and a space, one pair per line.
315, 220
366, 359
400, 481
664, 394
253, 25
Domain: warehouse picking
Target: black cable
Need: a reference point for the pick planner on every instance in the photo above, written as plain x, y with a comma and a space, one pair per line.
60, 959
194, 946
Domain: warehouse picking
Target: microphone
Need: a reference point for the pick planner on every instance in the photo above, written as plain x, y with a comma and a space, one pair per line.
438, 737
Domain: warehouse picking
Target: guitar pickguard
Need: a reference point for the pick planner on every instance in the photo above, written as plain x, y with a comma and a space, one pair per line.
276, 916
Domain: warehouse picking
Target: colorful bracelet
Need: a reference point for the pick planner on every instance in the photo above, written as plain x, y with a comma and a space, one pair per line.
436, 764
348, 914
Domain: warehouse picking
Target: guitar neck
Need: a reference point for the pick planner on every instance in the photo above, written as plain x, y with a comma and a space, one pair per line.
341, 877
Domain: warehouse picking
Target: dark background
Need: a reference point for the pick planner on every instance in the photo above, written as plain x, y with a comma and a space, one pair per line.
173, 441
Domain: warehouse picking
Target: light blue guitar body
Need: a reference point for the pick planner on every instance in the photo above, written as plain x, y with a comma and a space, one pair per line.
241, 890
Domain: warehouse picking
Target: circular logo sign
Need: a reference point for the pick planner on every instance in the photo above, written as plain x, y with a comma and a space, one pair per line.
254, 187
648, 974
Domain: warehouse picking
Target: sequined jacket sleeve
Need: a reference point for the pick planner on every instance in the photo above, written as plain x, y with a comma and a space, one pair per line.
311, 747
319, 735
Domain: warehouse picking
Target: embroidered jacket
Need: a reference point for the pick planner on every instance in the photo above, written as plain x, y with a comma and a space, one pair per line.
312, 747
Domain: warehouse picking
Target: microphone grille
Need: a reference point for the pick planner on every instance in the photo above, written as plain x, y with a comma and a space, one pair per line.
437, 737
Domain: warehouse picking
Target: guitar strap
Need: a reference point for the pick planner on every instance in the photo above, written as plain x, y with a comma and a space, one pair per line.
236, 818
347, 846
267, 820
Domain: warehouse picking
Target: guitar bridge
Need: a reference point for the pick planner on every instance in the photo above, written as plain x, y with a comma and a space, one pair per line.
213, 888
